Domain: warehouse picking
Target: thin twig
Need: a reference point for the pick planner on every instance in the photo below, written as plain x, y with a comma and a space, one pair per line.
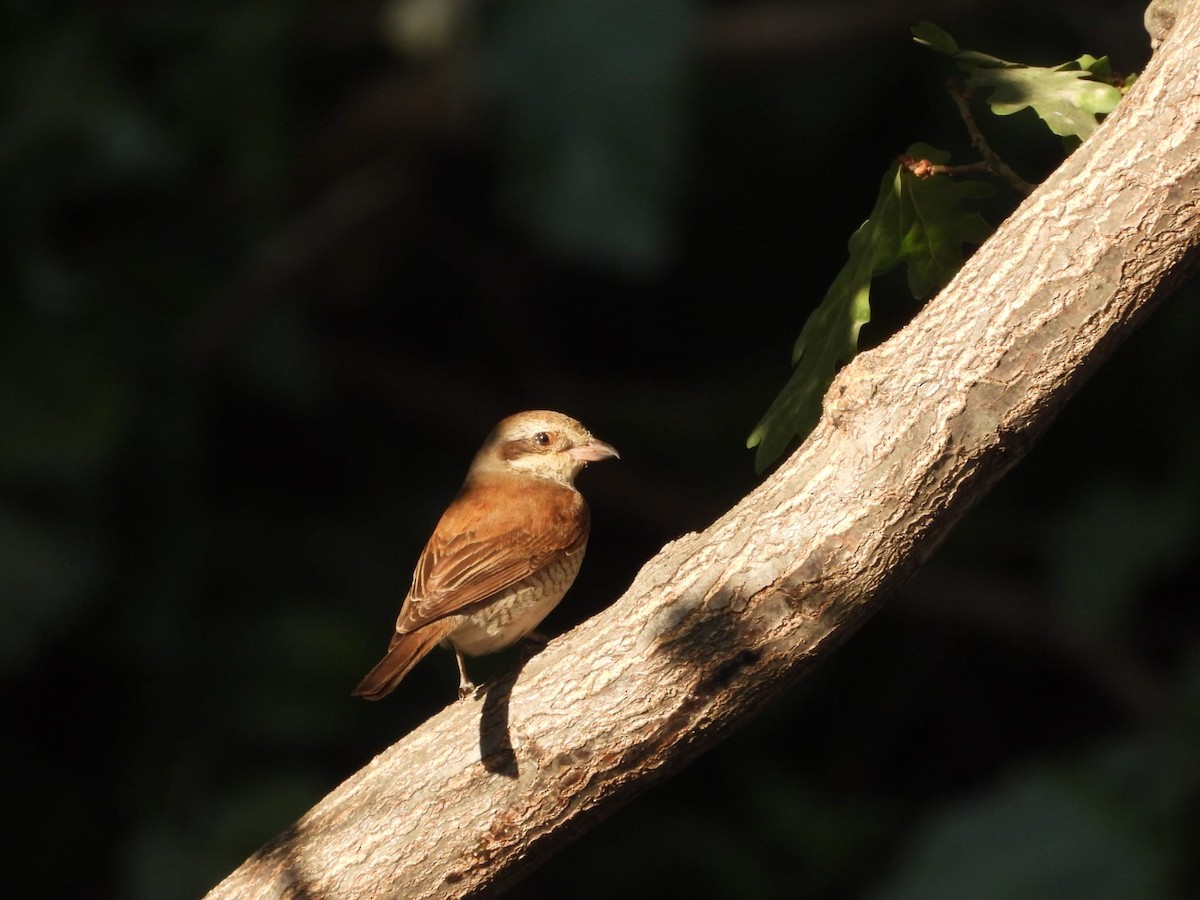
993, 162
924, 168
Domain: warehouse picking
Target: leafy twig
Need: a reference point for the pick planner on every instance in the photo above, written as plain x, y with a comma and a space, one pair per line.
920, 220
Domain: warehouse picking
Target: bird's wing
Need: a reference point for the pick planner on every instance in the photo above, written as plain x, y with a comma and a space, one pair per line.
493, 535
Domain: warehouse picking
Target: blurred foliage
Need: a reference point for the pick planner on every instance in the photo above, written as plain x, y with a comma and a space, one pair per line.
1033, 838
592, 97
271, 272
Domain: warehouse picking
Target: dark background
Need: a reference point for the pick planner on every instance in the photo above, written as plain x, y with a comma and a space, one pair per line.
272, 270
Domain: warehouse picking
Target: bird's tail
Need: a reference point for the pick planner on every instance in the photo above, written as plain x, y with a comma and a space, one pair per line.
404, 652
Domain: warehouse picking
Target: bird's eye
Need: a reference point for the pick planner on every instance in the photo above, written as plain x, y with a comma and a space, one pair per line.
542, 439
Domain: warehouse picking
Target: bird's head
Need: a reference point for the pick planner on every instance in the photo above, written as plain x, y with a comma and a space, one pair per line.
540, 444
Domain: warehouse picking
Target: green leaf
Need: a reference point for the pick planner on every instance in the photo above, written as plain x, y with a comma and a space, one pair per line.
1068, 98
939, 225
1100, 69
920, 222
934, 38
929, 35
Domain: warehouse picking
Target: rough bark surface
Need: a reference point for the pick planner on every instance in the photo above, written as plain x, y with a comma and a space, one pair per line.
720, 621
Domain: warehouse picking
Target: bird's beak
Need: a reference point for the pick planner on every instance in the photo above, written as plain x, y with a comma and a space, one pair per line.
594, 450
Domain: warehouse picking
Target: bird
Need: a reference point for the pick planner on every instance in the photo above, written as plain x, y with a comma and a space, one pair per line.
504, 552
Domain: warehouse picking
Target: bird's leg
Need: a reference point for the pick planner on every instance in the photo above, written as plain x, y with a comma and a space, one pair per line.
465, 686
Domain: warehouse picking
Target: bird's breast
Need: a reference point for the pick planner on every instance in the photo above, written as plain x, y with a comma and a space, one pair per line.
517, 610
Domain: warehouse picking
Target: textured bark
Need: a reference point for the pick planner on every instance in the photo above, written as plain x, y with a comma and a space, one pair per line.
719, 622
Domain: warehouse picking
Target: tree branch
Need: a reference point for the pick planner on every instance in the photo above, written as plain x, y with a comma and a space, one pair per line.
721, 621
